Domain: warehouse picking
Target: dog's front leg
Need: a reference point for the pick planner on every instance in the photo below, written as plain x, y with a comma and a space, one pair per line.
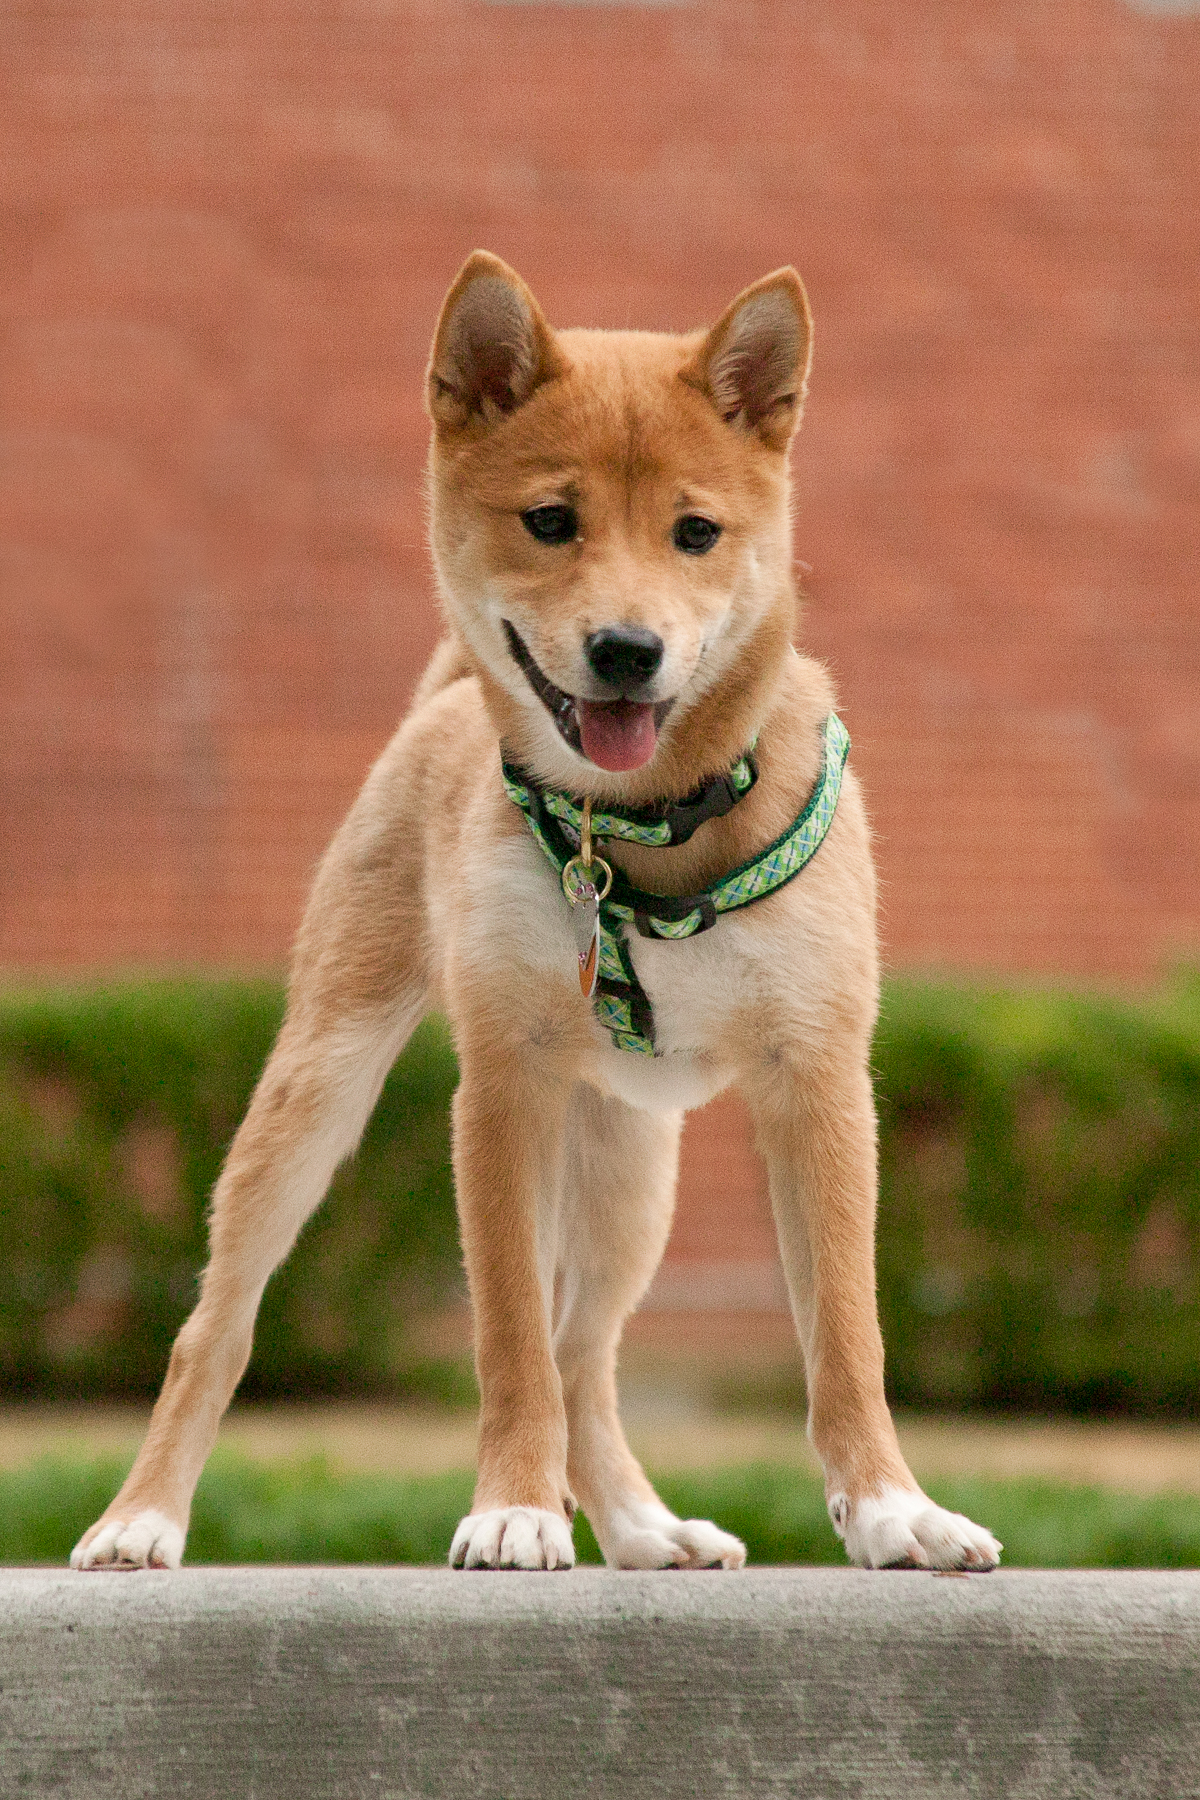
816, 1124
509, 1116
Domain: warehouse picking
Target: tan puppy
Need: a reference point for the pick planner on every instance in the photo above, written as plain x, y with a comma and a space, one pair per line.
611, 537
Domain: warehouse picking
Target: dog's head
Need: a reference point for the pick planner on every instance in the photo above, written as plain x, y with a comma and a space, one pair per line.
610, 513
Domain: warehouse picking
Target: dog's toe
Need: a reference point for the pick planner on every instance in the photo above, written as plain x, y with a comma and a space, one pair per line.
146, 1540
513, 1537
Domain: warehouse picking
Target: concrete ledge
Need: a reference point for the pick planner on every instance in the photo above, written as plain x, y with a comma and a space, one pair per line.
220, 1684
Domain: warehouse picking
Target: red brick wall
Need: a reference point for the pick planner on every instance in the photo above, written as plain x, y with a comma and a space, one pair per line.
224, 233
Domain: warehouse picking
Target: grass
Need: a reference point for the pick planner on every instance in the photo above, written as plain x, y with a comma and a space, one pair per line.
249, 1512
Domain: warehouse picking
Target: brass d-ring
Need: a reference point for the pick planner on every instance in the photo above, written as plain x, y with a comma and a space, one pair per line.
585, 870
584, 860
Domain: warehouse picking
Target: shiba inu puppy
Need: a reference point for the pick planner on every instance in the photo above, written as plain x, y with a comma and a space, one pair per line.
617, 842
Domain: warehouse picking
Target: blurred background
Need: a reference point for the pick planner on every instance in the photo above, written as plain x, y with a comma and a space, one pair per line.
226, 231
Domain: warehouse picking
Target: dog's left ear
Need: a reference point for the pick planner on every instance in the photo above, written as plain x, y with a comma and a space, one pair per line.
754, 363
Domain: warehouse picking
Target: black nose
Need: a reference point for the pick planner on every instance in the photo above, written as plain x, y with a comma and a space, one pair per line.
624, 655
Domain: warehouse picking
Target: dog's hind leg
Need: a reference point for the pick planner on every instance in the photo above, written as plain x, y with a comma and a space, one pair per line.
314, 1098
618, 1198
358, 989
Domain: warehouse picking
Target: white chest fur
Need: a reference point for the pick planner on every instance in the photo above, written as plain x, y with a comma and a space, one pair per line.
696, 985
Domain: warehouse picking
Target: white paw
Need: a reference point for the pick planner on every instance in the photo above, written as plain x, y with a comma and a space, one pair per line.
149, 1540
645, 1535
902, 1528
513, 1537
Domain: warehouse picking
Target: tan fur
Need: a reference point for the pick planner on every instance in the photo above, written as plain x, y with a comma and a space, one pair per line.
434, 894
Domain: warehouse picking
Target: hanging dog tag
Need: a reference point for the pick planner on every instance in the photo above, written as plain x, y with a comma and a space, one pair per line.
585, 897
585, 918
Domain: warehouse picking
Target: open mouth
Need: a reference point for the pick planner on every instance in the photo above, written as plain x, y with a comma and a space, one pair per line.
613, 734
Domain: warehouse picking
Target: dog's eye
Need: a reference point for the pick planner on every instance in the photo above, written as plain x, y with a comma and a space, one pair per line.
695, 534
551, 524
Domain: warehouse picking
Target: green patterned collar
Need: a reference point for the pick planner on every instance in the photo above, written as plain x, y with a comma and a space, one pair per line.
621, 1003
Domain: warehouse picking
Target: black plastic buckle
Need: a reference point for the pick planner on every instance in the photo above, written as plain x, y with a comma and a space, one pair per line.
719, 797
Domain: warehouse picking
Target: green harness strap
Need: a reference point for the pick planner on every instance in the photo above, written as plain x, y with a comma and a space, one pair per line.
621, 1003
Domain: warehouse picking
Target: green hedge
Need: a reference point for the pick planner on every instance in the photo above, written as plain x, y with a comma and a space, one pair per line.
1039, 1233
1039, 1239
116, 1108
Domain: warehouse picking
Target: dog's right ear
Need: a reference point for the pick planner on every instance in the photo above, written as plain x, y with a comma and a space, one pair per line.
492, 347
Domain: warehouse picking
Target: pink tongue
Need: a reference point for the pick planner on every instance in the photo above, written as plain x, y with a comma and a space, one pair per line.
617, 734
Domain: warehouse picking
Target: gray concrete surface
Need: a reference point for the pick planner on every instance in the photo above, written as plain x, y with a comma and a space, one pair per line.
246, 1684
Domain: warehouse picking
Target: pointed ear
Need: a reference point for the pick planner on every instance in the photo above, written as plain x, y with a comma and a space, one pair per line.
754, 363
492, 346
